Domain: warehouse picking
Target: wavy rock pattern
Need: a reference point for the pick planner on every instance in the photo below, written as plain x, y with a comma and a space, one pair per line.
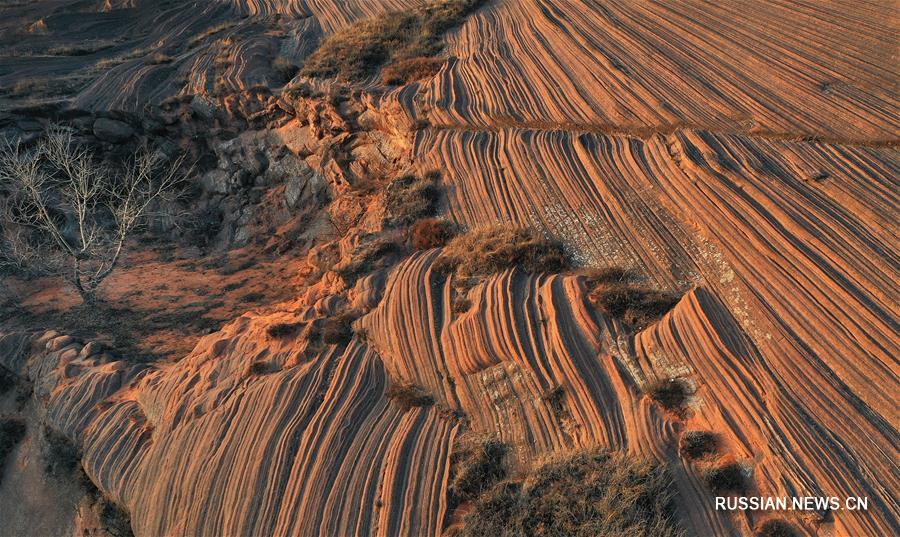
791, 68
794, 239
312, 449
751, 164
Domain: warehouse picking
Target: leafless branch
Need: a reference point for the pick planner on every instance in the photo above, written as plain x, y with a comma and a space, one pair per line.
60, 198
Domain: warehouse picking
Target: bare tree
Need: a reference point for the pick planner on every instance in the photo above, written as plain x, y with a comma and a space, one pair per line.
64, 212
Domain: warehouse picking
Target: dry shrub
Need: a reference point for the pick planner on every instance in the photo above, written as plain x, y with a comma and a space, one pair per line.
410, 70
431, 233
358, 51
727, 477
671, 394
476, 467
12, 431
698, 444
410, 198
490, 250
776, 527
615, 292
588, 493
338, 330
284, 330
409, 396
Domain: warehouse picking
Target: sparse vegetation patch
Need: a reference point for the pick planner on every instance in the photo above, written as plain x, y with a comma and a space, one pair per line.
403, 40
62, 458
410, 198
615, 292
491, 250
7, 380
671, 394
728, 477
367, 258
338, 330
698, 444
431, 233
588, 493
408, 71
409, 396
477, 466
284, 330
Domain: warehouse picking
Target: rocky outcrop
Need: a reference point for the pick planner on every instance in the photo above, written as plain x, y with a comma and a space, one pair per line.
110, 130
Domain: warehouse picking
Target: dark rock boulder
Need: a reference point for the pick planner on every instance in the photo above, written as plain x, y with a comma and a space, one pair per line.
111, 130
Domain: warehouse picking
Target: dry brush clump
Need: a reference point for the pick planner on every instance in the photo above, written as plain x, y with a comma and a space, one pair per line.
490, 250
698, 444
587, 493
338, 330
616, 292
410, 198
727, 477
285, 68
409, 396
671, 394
62, 458
429, 233
409, 70
403, 40
477, 464
284, 330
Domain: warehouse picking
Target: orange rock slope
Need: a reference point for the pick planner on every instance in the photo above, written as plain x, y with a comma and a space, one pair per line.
741, 153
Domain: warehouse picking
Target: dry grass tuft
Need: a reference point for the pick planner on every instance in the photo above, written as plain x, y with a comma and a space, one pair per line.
285, 68
409, 396
7, 380
359, 50
431, 233
490, 250
671, 394
338, 330
588, 493
410, 198
615, 292
727, 477
199, 38
62, 459
408, 71
284, 330
259, 368
477, 466
698, 444
159, 58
